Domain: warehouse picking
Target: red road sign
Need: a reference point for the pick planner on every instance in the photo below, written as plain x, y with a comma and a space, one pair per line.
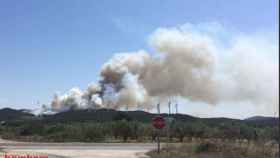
158, 122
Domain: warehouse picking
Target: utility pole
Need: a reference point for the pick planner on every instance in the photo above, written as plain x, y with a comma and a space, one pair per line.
158, 130
168, 120
158, 108
126, 108
169, 110
275, 114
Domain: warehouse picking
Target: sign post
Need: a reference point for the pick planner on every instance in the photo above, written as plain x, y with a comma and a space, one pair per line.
158, 142
158, 123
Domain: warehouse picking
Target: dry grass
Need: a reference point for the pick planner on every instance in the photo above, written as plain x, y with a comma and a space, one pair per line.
211, 149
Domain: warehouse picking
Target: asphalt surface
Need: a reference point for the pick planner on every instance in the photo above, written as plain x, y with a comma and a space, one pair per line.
80, 150
80, 146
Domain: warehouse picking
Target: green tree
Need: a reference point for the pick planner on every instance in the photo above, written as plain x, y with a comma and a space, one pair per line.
122, 128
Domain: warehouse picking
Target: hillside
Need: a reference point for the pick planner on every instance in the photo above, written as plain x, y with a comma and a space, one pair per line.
12, 114
111, 125
261, 120
105, 115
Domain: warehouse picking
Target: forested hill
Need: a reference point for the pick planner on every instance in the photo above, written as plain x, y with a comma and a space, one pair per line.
261, 120
12, 114
105, 115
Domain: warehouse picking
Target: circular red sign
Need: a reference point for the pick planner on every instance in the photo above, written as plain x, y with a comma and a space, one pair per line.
158, 122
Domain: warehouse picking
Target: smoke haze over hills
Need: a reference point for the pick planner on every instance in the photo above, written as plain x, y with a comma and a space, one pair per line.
200, 63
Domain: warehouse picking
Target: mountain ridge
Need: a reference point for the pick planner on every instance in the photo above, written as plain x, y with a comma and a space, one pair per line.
103, 115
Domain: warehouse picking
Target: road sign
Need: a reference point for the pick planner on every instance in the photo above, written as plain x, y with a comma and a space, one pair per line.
158, 122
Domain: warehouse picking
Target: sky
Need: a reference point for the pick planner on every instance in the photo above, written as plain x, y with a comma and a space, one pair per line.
49, 46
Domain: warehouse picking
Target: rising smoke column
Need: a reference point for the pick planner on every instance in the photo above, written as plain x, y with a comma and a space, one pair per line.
186, 67
77, 99
121, 80
188, 62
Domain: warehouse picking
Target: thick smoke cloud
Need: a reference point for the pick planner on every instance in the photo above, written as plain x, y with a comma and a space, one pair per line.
189, 62
76, 99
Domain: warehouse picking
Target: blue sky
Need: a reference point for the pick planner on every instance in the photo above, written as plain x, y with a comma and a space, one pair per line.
49, 46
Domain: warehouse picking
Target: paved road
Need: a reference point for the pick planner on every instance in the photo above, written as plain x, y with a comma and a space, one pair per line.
111, 146
81, 150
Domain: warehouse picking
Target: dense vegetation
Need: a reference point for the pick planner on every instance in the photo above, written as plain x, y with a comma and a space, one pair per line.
114, 126
216, 149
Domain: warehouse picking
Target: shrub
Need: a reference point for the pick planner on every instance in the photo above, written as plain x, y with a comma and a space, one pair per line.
205, 147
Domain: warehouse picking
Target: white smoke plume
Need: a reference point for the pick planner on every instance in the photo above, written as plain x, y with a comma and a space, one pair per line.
76, 99
190, 62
